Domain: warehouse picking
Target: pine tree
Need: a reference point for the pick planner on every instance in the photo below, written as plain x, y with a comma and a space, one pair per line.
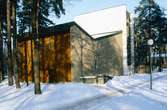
55, 5
10, 73
2, 36
35, 33
147, 25
14, 51
46, 7
1, 39
1, 42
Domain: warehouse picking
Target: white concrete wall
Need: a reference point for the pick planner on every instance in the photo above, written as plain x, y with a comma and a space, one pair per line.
132, 43
124, 37
107, 21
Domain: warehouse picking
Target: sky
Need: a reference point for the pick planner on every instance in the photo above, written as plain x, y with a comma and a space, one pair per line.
77, 7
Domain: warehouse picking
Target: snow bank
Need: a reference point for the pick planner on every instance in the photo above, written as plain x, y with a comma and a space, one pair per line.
138, 85
127, 82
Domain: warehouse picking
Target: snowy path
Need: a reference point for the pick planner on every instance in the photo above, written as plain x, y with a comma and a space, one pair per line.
53, 97
127, 102
124, 99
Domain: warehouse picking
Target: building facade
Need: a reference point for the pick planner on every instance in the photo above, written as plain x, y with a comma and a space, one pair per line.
93, 44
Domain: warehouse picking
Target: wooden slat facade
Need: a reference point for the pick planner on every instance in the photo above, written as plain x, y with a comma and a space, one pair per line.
55, 58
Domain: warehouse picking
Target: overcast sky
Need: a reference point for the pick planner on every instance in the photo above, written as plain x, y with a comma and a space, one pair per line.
78, 7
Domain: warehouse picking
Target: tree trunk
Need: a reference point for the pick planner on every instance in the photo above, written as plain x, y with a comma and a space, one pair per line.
15, 66
1, 49
160, 60
35, 30
165, 54
10, 75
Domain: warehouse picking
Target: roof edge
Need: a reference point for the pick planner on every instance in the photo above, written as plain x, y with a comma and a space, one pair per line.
93, 11
109, 35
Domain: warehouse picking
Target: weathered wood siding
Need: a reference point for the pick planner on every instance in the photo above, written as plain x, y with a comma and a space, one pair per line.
55, 58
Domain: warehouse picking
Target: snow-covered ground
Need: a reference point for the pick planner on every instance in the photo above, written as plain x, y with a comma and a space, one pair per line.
133, 94
120, 93
54, 96
136, 94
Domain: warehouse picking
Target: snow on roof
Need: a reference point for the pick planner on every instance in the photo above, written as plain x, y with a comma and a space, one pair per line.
105, 21
99, 35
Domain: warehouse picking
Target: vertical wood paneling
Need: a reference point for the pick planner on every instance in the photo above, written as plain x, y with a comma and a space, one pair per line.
55, 58
25, 61
32, 60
